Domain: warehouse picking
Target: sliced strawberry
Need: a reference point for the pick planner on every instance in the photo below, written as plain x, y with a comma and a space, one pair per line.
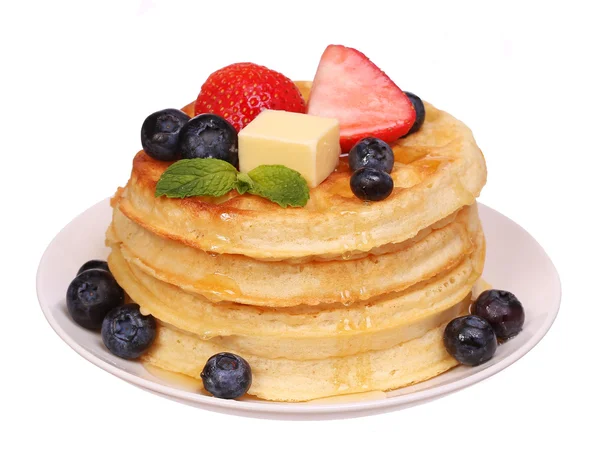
239, 92
351, 88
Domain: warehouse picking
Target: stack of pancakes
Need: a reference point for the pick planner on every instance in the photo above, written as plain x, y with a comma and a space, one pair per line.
340, 296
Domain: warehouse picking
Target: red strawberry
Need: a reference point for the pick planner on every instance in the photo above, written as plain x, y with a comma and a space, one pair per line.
239, 92
351, 88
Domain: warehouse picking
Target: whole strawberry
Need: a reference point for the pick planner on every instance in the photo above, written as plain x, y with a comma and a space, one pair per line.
239, 92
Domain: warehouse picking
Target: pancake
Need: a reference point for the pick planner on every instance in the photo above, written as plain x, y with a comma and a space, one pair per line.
438, 170
306, 332
279, 379
250, 281
340, 296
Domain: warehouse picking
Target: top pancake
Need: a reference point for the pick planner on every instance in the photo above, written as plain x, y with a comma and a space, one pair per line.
437, 171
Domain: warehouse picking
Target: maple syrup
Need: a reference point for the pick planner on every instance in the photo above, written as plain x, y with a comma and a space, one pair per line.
178, 380
343, 166
427, 166
408, 154
351, 398
342, 188
359, 371
219, 285
218, 242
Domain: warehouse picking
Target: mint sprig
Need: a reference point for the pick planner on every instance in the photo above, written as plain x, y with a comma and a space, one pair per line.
214, 177
244, 183
192, 177
279, 184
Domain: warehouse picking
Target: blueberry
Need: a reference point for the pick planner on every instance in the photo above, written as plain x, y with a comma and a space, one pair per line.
92, 265
419, 107
91, 295
371, 184
127, 333
371, 153
502, 310
470, 340
226, 375
209, 136
160, 134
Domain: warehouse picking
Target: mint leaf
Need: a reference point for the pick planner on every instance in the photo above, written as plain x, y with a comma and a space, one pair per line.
214, 177
280, 184
195, 177
244, 183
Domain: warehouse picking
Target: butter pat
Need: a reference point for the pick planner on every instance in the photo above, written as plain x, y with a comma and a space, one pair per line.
308, 144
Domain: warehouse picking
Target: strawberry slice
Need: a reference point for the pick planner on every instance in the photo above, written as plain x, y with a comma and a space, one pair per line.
351, 88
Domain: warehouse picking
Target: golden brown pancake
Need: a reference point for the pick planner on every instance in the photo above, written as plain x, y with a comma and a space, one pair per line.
438, 170
341, 296
245, 280
306, 331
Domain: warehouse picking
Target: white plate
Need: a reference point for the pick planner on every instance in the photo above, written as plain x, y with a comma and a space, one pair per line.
515, 262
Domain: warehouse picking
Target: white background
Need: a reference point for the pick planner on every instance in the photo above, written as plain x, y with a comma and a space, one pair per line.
77, 82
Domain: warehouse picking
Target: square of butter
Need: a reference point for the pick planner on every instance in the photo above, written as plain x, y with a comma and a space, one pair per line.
308, 144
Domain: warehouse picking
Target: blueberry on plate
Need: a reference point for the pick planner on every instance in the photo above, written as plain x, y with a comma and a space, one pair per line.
226, 375
370, 184
160, 134
209, 136
470, 340
419, 107
93, 265
91, 295
502, 310
127, 333
371, 153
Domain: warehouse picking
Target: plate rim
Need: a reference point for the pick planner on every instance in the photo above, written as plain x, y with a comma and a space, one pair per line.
299, 408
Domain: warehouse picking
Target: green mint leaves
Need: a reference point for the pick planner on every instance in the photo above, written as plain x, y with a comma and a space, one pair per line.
244, 183
192, 177
279, 184
214, 177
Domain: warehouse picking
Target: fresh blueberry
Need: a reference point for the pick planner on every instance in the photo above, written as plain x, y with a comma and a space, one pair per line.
209, 136
419, 107
371, 153
371, 184
127, 333
226, 375
160, 134
93, 265
91, 295
502, 310
470, 340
